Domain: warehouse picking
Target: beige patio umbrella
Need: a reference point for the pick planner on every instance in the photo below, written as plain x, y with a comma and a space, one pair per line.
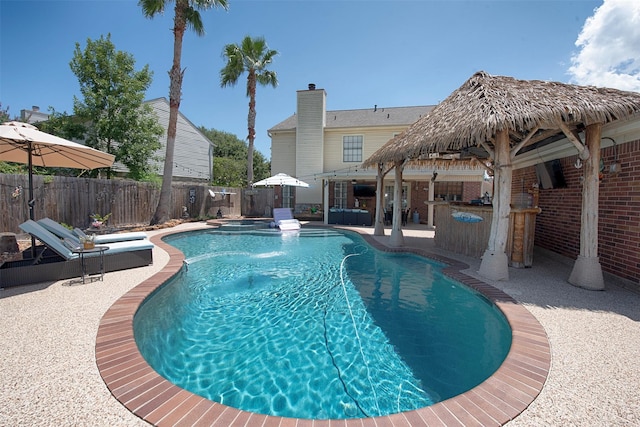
503, 115
24, 143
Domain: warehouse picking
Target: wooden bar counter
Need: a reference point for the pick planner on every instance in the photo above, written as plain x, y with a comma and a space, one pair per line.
471, 238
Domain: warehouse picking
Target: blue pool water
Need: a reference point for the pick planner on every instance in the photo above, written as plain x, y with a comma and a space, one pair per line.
316, 324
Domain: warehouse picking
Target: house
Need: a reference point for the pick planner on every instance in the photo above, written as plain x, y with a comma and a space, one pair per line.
33, 116
193, 155
326, 148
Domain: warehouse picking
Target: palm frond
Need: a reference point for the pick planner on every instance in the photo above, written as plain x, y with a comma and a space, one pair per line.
152, 7
194, 21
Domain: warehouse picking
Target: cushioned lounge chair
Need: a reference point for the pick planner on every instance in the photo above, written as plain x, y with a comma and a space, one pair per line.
284, 219
55, 260
112, 237
64, 233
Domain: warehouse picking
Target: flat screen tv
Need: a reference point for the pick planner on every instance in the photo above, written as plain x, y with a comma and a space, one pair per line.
550, 175
364, 190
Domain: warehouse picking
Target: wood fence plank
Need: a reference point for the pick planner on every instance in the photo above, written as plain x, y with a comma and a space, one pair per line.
71, 200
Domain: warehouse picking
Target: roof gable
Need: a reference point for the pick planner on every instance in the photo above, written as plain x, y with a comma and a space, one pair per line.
166, 106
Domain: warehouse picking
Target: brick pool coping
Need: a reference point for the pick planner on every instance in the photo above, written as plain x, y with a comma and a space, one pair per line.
497, 400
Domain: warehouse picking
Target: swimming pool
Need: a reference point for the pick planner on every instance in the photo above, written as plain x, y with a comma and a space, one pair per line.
389, 340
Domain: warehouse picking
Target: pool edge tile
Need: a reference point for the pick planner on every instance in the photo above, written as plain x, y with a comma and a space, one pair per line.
487, 403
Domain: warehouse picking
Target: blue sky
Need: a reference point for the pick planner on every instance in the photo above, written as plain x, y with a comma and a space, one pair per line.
362, 52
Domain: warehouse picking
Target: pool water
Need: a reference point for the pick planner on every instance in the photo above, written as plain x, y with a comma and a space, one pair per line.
316, 324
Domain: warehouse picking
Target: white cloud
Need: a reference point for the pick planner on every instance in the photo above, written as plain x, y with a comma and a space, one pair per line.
609, 44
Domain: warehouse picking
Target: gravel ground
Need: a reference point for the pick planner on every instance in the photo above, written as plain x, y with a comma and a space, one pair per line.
595, 346
49, 377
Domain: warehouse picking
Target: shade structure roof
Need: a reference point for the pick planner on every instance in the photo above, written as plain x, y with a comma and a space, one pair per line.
281, 179
531, 110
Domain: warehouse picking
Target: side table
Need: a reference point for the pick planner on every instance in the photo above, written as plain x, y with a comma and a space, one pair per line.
82, 252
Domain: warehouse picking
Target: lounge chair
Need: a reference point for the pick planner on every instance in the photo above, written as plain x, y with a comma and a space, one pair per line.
284, 219
64, 233
57, 261
101, 239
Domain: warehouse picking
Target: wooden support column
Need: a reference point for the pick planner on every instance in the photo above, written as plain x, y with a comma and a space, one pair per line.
495, 263
397, 239
587, 272
378, 229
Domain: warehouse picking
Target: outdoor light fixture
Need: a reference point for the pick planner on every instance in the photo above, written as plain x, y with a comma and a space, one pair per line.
615, 166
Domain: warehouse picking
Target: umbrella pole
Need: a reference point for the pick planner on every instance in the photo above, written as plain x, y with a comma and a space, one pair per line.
31, 202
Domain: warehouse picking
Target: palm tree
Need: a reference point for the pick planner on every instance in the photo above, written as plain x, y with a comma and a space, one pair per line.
186, 14
253, 56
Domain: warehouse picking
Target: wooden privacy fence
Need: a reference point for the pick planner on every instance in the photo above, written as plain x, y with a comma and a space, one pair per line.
72, 200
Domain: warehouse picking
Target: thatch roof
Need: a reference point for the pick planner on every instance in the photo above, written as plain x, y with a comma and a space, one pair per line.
449, 163
485, 104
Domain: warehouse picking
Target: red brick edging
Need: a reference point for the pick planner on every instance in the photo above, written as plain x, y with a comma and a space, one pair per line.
499, 399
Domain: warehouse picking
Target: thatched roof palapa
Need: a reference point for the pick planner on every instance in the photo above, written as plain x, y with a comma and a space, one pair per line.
532, 110
501, 116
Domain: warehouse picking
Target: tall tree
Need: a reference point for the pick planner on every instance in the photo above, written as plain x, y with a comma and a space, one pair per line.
63, 125
230, 159
6, 167
112, 110
252, 56
186, 13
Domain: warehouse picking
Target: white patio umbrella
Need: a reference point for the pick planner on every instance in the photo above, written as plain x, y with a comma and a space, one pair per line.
24, 143
280, 179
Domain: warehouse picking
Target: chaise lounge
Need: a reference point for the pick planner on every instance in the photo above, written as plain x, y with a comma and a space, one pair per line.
284, 219
56, 260
64, 233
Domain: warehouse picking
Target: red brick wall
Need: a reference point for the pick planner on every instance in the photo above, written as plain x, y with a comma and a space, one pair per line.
418, 198
558, 226
471, 191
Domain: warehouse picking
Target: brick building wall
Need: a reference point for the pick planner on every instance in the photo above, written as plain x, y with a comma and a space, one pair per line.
558, 226
419, 195
471, 191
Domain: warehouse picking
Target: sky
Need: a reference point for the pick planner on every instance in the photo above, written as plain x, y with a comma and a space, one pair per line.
363, 53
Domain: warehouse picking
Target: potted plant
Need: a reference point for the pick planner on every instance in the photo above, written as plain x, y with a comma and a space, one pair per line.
98, 220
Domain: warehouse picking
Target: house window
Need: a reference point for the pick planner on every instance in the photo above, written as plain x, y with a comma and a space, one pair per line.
340, 194
287, 196
352, 148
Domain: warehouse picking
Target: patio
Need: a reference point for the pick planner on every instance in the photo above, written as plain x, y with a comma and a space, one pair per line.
50, 376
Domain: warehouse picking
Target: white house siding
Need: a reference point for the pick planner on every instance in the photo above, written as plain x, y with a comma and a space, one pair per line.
193, 154
372, 140
309, 144
284, 143
34, 115
311, 118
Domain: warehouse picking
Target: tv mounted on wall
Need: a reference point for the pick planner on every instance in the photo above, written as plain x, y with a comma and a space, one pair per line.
364, 190
550, 175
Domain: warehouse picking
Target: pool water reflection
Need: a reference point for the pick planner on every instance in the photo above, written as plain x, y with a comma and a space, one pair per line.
271, 323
